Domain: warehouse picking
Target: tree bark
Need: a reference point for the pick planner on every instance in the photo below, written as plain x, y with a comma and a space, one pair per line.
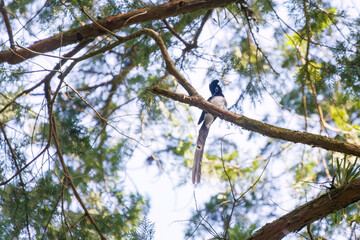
318, 208
113, 23
263, 128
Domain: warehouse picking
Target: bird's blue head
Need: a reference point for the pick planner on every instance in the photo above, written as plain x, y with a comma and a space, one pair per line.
215, 88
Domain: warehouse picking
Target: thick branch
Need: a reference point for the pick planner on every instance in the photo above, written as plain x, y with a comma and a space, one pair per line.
318, 208
170, 66
263, 128
170, 9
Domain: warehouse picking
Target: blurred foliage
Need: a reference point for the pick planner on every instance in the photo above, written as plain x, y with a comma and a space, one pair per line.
301, 54
144, 231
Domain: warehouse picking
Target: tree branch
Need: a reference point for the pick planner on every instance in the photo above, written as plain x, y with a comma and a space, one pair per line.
194, 42
260, 127
246, 11
170, 66
28, 164
48, 77
7, 23
113, 23
174, 32
204, 20
318, 208
12, 151
307, 65
68, 178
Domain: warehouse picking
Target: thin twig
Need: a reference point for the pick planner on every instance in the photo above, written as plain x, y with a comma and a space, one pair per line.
64, 186
13, 155
224, 168
298, 34
174, 32
99, 115
23, 26
18, 170
28, 164
49, 76
44, 54
86, 102
308, 228
255, 40
325, 166
307, 64
203, 218
7, 24
304, 105
204, 20
50, 217
170, 66
227, 224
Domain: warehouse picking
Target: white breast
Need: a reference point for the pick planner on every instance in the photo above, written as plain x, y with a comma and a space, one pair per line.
219, 101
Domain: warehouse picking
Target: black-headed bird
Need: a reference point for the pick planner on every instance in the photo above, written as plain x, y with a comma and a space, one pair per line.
217, 98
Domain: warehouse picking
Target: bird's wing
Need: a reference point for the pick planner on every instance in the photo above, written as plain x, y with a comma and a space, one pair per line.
203, 113
201, 117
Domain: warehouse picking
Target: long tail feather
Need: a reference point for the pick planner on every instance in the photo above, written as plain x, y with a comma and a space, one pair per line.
196, 170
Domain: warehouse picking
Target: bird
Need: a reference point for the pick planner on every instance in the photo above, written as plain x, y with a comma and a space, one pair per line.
217, 98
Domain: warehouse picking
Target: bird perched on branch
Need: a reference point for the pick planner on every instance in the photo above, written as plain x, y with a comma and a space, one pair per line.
217, 98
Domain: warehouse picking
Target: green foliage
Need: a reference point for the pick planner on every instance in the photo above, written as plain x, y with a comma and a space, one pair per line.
246, 57
20, 6
295, 100
240, 231
144, 231
340, 117
347, 66
347, 170
321, 20
10, 112
75, 138
313, 50
219, 210
22, 207
306, 172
